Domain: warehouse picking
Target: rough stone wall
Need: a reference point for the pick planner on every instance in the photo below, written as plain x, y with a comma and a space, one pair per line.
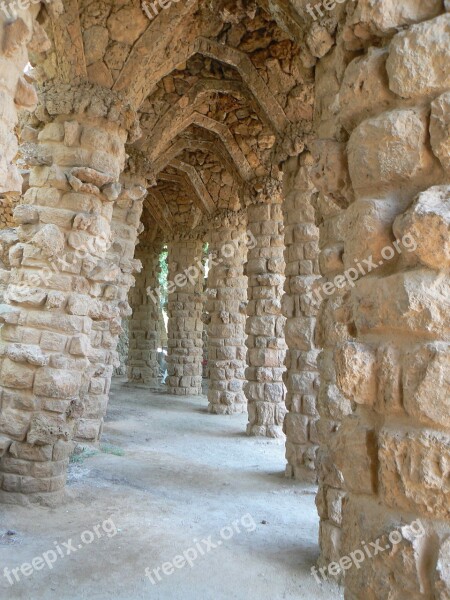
144, 337
7, 206
60, 286
302, 270
265, 265
15, 94
185, 307
226, 305
382, 171
122, 350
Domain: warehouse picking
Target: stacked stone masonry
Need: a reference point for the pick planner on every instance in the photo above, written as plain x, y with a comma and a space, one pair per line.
264, 386
302, 270
381, 170
144, 332
120, 264
185, 304
226, 306
59, 318
325, 141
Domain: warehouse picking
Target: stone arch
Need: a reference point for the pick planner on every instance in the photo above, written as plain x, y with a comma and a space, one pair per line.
370, 167
174, 128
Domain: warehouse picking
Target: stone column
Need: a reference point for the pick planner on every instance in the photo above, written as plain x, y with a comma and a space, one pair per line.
144, 334
226, 306
121, 264
384, 318
15, 93
60, 286
185, 305
264, 388
302, 269
329, 173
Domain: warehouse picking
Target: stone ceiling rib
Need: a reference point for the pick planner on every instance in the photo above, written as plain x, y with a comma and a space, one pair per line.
204, 202
238, 89
159, 210
197, 183
286, 17
151, 49
232, 57
216, 148
67, 34
167, 130
250, 76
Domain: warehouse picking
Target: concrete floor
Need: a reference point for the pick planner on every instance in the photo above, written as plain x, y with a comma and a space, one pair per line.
169, 476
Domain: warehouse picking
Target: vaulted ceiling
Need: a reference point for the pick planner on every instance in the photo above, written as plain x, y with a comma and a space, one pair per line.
224, 90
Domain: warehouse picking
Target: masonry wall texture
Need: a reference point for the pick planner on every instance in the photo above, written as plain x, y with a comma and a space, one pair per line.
226, 306
264, 387
144, 335
324, 145
380, 175
302, 271
185, 343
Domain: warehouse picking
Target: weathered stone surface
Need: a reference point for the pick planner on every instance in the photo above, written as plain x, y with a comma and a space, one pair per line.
356, 372
16, 375
443, 571
440, 129
56, 383
49, 240
396, 568
388, 151
408, 302
367, 230
353, 451
427, 223
364, 92
330, 171
419, 59
414, 470
319, 41
47, 430
388, 16
426, 384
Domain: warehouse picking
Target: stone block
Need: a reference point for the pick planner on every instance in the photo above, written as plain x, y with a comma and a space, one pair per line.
419, 59
26, 451
440, 129
365, 90
46, 430
426, 383
442, 576
413, 470
296, 428
406, 303
386, 17
56, 383
389, 151
80, 345
427, 225
367, 231
386, 570
356, 372
389, 392
15, 375
354, 452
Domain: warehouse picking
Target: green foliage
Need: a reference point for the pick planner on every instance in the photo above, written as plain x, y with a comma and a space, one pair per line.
111, 449
81, 454
163, 276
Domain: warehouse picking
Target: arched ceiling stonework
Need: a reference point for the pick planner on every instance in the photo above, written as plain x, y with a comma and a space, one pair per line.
223, 90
